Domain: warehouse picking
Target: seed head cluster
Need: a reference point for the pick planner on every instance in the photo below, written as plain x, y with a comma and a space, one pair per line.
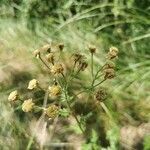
59, 92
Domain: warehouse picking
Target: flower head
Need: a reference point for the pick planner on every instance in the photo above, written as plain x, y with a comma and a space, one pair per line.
57, 69
109, 73
13, 96
101, 94
27, 105
52, 111
92, 49
54, 91
109, 65
36, 53
82, 65
61, 46
113, 53
77, 57
50, 57
46, 48
33, 84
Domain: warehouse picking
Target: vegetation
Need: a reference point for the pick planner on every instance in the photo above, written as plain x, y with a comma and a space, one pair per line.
114, 123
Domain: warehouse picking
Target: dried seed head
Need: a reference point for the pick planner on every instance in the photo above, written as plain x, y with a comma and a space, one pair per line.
113, 53
46, 48
27, 105
33, 84
52, 111
109, 73
54, 91
109, 65
50, 58
36, 53
101, 95
77, 57
57, 69
92, 49
82, 65
13, 96
61, 46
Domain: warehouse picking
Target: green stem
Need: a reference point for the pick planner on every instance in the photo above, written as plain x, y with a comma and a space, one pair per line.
30, 143
95, 77
69, 107
92, 65
99, 83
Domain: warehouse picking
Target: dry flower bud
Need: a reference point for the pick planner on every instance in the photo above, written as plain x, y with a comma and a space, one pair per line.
83, 65
52, 111
57, 69
32, 84
50, 58
77, 57
27, 105
113, 52
13, 96
101, 95
109, 73
61, 46
54, 91
92, 49
46, 48
109, 65
36, 53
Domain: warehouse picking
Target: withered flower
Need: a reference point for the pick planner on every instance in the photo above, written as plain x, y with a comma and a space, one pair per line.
109, 65
36, 53
13, 96
82, 65
32, 84
46, 48
57, 69
77, 57
101, 95
50, 57
27, 105
52, 111
109, 73
113, 53
92, 49
54, 91
61, 46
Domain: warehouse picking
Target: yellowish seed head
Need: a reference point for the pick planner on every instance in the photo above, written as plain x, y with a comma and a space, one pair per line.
54, 91
50, 58
52, 111
32, 84
57, 69
13, 96
113, 53
27, 105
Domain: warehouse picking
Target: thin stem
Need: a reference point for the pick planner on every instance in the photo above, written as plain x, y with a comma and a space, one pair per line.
95, 77
53, 128
106, 110
92, 65
99, 83
69, 107
31, 140
44, 62
45, 98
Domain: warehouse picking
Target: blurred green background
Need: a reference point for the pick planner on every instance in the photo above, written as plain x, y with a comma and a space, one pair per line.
29, 24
